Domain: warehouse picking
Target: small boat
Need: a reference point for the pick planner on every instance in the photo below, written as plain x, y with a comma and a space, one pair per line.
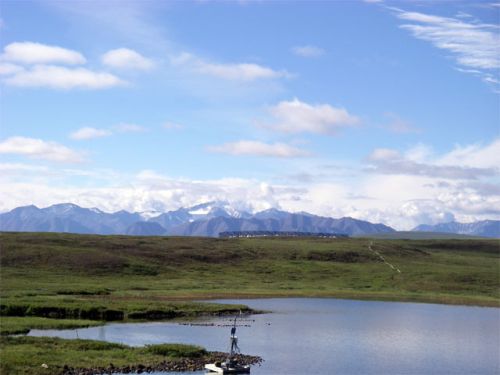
231, 365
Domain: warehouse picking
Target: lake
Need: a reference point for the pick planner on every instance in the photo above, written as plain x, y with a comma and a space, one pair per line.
332, 336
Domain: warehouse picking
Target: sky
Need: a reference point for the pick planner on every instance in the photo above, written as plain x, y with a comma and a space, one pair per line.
386, 111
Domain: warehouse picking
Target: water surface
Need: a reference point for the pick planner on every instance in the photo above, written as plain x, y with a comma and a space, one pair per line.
330, 336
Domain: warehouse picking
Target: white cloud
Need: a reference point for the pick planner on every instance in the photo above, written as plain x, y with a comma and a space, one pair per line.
419, 153
427, 211
129, 128
476, 155
39, 149
402, 201
124, 58
37, 53
8, 68
145, 191
474, 45
255, 148
308, 51
243, 71
295, 117
59, 77
387, 161
233, 72
89, 133
20, 168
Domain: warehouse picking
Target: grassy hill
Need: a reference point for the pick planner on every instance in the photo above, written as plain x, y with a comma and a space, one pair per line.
119, 277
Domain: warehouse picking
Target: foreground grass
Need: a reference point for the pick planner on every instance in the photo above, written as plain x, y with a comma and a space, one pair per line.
26, 355
10, 325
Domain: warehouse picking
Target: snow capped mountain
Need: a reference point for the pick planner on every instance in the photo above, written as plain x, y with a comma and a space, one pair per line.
146, 215
200, 212
485, 228
215, 209
206, 219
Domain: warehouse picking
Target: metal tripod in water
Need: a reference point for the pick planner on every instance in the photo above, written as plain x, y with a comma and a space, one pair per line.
233, 339
231, 366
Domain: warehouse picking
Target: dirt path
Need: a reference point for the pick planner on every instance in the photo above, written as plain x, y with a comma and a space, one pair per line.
381, 257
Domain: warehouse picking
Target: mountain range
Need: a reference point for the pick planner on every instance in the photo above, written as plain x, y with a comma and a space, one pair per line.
485, 228
208, 219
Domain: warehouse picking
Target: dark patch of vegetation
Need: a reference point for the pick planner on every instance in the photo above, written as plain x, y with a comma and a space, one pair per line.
482, 246
342, 257
61, 312
122, 310
176, 350
83, 292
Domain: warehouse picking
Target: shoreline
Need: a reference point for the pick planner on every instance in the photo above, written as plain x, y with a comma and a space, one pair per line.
449, 300
182, 364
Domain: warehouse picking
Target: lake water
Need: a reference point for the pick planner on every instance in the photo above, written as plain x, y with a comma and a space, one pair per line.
329, 336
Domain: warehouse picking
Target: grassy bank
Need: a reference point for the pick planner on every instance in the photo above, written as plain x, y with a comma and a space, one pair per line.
10, 325
26, 355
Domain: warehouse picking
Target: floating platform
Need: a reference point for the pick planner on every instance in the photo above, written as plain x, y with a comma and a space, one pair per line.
223, 368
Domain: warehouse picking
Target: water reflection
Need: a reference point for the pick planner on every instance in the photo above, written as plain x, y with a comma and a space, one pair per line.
102, 333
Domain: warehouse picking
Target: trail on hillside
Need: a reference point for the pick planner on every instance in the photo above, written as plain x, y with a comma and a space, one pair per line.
382, 258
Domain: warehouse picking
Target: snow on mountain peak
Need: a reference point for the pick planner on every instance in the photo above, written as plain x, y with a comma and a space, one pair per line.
200, 211
146, 215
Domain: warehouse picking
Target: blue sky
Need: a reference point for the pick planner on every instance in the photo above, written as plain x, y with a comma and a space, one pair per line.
380, 110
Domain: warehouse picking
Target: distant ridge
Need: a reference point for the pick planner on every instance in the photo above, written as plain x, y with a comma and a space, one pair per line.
485, 228
409, 235
211, 218
287, 222
66, 217
207, 219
